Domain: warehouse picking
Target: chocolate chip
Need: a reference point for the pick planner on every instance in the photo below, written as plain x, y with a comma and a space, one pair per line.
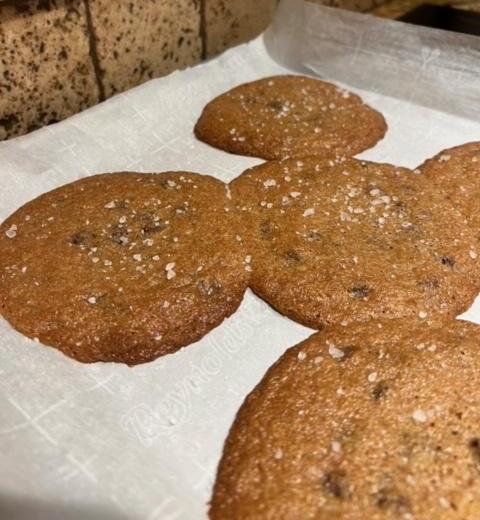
360, 292
292, 257
348, 352
151, 226
276, 105
82, 238
379, 390
267, 229
78, 239
389, 499
430, 284
474, 447
119, 235
450, 262
314, 236
209, 287
334, 484
167, 184
121, 204
249, 100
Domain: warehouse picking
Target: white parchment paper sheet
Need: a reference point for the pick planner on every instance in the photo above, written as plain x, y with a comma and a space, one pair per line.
433, 67
110, 442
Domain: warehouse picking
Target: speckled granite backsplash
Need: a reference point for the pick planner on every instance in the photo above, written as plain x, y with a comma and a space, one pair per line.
59, 57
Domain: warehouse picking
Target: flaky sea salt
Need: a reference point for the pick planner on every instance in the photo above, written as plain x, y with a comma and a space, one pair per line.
169, 269
335, 352
336, 447
11, 231
444, 503
419, 416
278, 454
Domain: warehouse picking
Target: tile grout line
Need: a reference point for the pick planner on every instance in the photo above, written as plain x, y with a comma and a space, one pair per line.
94, 51
203, 29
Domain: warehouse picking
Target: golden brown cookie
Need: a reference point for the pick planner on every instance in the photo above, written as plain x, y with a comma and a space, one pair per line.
290, 116
122, 267
334, 242
456, 173
375, 421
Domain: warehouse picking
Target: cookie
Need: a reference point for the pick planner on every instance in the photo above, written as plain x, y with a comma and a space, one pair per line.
122, 267
456, 173
377, 421
290, 116
334, 242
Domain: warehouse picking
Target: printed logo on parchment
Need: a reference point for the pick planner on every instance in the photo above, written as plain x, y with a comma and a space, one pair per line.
147, 422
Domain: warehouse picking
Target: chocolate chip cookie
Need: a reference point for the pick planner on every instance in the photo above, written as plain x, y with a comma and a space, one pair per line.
456, 173
290, 116
338, 241
377, 421
122, 267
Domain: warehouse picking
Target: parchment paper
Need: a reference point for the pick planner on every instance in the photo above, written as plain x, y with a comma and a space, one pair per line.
109, 442
432, 67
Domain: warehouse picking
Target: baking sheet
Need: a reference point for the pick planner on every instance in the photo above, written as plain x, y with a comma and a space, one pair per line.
110, 442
